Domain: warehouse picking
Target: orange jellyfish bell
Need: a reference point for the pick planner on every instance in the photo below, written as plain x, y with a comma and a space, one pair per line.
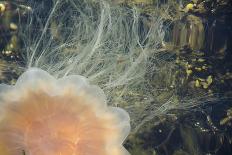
42, 115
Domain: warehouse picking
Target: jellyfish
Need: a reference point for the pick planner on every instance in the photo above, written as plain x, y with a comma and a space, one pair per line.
42, 115
82, 61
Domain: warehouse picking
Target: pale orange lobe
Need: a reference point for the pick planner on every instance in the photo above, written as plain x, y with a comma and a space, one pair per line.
46, 116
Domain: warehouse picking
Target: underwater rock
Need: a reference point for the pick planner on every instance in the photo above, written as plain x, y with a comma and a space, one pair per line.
189, 32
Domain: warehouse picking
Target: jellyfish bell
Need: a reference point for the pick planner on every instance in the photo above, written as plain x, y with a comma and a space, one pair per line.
42, 115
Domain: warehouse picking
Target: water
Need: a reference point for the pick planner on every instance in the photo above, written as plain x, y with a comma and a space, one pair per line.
168, 67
